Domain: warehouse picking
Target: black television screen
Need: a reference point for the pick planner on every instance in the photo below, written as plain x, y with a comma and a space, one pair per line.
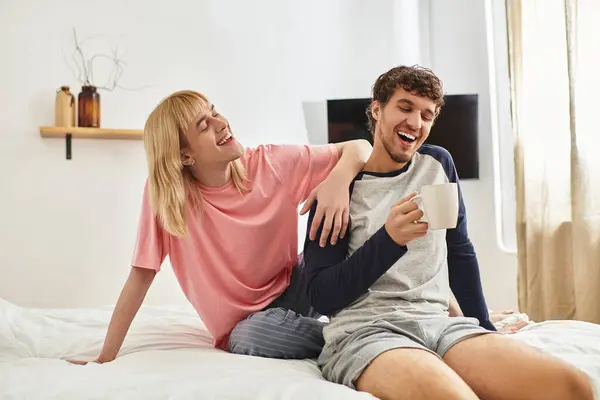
455, 129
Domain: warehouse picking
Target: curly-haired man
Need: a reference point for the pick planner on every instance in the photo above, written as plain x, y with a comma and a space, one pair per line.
387, 285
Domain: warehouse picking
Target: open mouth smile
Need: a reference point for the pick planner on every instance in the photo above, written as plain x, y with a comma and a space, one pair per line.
227, 139
407, 138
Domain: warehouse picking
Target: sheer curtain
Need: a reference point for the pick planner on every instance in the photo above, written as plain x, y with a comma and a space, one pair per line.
555, 79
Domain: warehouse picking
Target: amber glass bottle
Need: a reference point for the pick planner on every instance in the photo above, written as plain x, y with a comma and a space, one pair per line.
89, 107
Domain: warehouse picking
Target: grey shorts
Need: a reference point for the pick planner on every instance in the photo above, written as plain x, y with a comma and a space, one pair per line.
345, 357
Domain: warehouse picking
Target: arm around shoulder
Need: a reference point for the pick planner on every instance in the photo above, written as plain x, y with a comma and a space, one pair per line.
353, 156
334, 204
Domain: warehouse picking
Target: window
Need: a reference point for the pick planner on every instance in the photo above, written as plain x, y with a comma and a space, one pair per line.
502, 134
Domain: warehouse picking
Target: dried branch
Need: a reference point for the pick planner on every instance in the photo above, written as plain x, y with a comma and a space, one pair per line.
113, 76
79, 52
85, 67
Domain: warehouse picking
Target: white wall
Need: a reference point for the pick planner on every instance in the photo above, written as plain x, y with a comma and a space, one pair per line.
67, 228
459, 55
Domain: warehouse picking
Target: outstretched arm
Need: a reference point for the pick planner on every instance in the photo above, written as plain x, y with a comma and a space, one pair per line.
129, 303
127, 306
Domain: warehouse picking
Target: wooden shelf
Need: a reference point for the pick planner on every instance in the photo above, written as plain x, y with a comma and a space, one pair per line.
68, 133
90, 133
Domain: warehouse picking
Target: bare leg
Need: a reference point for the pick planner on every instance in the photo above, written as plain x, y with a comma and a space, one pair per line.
498, 367
412, 374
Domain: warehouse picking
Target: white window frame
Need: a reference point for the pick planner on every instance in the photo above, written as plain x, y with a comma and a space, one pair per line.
501, 125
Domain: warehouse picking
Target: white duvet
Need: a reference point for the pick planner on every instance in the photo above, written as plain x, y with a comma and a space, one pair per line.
167, 355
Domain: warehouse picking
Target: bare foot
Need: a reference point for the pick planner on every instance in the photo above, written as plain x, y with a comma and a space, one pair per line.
514, 328
84, 362
77, 362
499, 316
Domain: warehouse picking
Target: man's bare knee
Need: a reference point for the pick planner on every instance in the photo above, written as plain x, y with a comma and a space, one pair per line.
412, 374
577, 385
565, 382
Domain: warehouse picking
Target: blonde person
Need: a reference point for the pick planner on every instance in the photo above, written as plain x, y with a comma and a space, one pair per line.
227, 217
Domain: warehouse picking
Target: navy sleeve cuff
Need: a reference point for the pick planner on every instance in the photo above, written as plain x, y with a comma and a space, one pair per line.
393, 249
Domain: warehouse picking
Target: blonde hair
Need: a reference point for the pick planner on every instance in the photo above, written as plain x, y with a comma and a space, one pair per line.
170, 183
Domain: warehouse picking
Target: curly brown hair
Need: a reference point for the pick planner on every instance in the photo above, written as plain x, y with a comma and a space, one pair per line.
414, 79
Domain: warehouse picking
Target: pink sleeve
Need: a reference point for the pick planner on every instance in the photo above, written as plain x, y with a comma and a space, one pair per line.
152, 244
302, 167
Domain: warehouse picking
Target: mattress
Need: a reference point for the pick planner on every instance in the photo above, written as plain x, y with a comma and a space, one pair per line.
168, 355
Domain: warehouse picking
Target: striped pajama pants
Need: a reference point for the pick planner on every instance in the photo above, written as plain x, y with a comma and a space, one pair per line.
288, 328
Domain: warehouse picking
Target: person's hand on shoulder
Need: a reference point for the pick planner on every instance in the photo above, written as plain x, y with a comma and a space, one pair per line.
333, 205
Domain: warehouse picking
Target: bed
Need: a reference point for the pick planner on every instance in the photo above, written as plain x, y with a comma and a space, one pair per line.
167, 355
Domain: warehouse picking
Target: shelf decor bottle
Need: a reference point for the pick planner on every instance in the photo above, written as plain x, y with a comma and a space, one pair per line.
89, 107
64, 107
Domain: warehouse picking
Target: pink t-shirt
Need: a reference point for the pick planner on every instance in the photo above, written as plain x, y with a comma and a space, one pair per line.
240, 252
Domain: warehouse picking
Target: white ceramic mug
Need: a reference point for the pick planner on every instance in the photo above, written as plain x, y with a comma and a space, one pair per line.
439, 205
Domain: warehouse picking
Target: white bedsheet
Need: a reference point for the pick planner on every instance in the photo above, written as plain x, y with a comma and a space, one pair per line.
167, 355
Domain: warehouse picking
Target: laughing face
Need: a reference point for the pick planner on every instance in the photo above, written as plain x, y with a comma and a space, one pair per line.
403, 124
209, 139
